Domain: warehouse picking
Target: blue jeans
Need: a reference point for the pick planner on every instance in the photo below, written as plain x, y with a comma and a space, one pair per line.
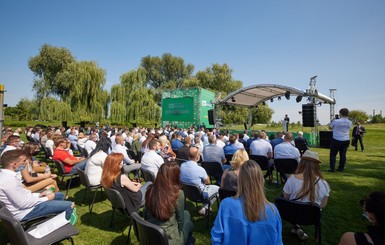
80, 165
341, 147
208, 191
55, 206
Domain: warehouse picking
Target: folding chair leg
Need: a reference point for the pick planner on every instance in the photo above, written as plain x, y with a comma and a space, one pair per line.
69, 185
84, 195
129, 231
93, 201
208, 215
112, 216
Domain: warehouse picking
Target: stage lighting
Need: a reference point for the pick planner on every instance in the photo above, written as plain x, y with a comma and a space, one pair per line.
287, 95
232, 99
271, 100
299, 98
319, 103
279, 97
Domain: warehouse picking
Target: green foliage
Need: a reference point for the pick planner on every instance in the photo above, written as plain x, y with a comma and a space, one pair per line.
162, 70
377, 119
358, 116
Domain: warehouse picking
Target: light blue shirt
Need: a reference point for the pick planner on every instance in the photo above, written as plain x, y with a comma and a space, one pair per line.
192, 173
232, 227
213, 153
341, 128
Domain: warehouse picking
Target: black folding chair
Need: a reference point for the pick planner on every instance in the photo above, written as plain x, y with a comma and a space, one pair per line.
147, 175
223, 193
195, 194
86, 182
285, 166
214, 170
61, 172
300, 213
17, 235
148, 233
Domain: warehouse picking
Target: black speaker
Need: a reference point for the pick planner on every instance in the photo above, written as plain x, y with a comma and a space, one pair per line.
325, 138
211, 116
309, 115
64, 124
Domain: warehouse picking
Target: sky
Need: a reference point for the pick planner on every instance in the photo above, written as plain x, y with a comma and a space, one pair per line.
264, 42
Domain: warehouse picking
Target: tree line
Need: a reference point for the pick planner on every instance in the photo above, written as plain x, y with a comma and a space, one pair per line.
66, 89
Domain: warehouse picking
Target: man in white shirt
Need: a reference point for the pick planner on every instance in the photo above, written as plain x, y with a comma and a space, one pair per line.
23, 204
121, 148
13, 143
261, 146
286, 150
151, 160
90, 144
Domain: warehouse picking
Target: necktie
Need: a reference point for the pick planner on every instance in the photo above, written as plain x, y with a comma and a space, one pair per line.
358, 130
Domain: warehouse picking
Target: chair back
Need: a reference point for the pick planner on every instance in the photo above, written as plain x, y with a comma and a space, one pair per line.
148, 233
59, 167
147, 175
83, 151
13, 228
223, 193
84, 178
213, 169
286, 166
229, 157
262, 161
300, 213
49, 152
116, 199
192, 192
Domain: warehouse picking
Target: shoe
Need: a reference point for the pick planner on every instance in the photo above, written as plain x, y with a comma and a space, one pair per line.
302, 235
294, 229
331, 170
74, 217
340, 170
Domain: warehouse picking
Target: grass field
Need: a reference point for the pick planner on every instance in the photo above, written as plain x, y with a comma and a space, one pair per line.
364, 173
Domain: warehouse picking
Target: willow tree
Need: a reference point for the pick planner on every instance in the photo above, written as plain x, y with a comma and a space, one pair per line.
83, 88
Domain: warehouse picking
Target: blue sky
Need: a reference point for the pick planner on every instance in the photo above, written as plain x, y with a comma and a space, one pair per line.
276, 41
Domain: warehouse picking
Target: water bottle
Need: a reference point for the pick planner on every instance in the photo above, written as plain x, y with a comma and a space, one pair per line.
47, 169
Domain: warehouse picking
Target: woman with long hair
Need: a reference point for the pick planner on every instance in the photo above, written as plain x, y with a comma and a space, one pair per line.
112, 177
34, 181
248, 218
165, 205
94, 166
307, 185
230, 176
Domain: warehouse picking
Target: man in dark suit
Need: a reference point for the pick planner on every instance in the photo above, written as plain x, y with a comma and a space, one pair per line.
301, 143
358, 135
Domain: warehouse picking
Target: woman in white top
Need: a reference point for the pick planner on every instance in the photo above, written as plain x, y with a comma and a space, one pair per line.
307, 185
94, 166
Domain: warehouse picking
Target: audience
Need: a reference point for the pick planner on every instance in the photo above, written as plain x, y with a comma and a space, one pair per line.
165, 205
248, 218
373, 205
23, 204
151, 160
94, 166
193, 174
112, 177
307, 185
301, 143
70, 162
230, 176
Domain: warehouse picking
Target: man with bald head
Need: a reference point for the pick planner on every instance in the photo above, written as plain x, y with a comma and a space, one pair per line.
193, 174
286, 150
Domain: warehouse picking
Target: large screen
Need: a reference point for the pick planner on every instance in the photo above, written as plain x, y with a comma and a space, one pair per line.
178, 109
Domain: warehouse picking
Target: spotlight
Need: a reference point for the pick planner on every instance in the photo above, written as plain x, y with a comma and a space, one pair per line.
271, 100
299, 98
319, 103
279, 97
256, 107
232, 99
287, 95
263, 103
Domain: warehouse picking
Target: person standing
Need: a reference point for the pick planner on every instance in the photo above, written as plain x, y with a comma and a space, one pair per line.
341, 140
286, 122
358, 135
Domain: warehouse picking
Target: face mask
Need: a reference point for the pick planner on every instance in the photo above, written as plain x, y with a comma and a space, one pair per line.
21, 168
158, 151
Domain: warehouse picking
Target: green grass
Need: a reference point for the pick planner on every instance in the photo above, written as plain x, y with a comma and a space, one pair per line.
364, 173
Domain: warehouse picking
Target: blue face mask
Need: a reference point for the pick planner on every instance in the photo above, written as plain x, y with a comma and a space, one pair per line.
21, 168
158, 151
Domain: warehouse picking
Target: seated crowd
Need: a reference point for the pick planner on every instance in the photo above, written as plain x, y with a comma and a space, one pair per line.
173, 156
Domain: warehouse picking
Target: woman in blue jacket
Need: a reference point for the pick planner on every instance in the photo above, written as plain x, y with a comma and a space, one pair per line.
248, 218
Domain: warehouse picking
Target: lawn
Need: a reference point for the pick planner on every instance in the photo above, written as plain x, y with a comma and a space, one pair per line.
364, 173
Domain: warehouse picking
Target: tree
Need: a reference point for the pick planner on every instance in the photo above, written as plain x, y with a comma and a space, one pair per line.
358, 116
377, 119
46, 65
168, 70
